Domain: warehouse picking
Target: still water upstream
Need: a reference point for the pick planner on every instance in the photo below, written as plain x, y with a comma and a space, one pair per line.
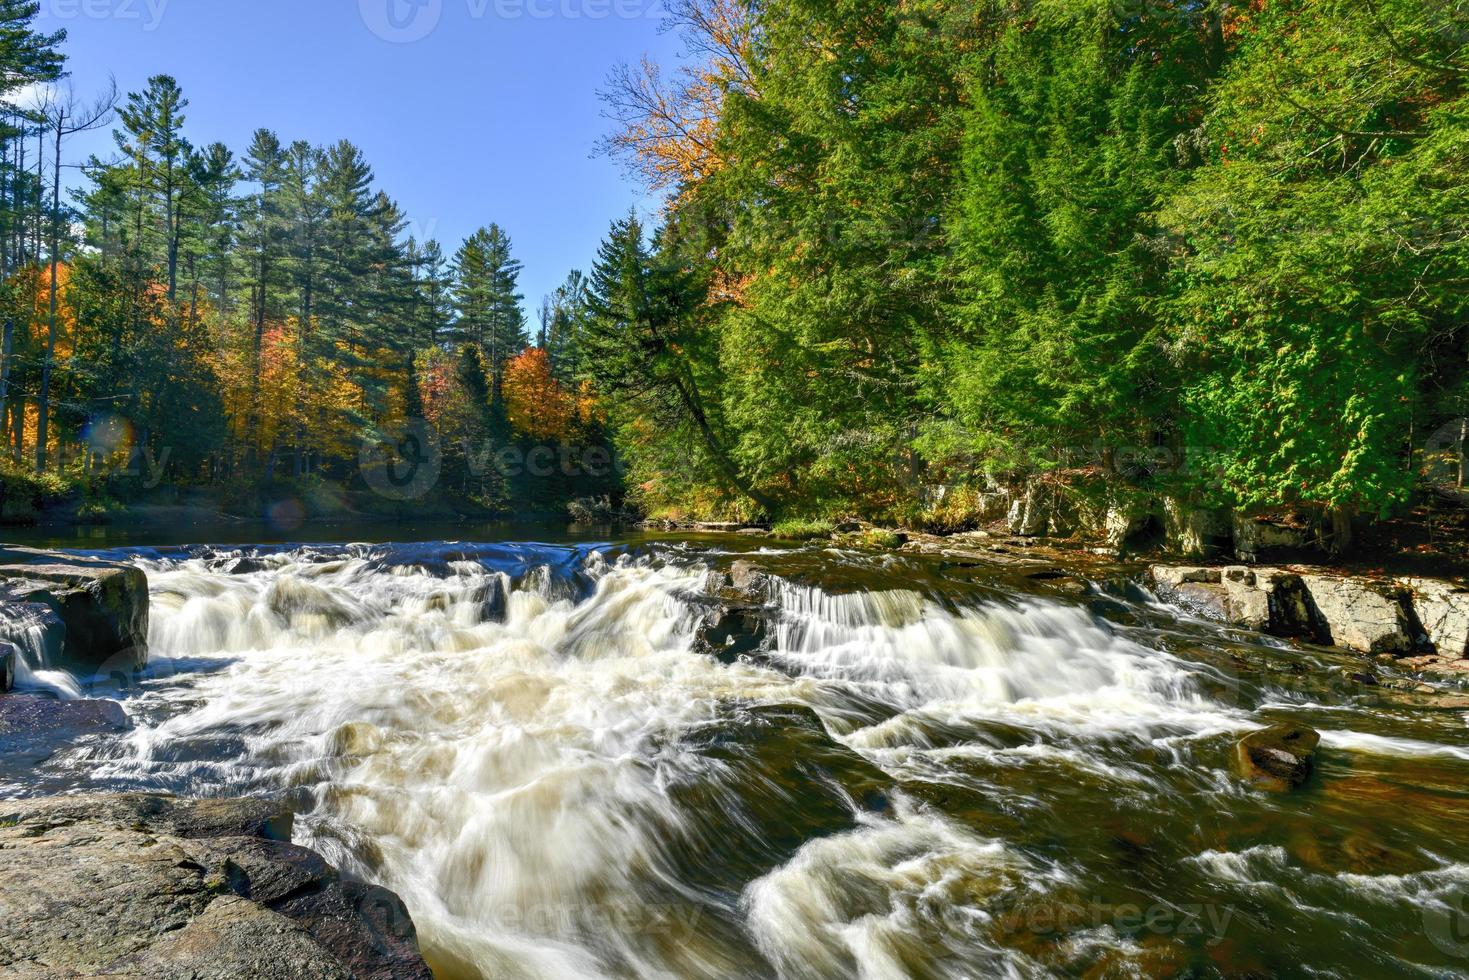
932, 769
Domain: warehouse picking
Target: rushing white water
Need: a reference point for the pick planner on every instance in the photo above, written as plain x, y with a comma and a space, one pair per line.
527, 746
29, 631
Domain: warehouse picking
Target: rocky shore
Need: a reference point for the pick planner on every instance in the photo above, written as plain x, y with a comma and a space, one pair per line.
150, 886
1418, 622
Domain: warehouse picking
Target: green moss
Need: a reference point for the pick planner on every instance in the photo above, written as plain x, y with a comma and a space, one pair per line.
875, 537
801, 530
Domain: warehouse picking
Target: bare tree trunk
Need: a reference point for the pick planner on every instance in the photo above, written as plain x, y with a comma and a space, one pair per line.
18, 420
40, 190
4, 214
18, 242
1339, 529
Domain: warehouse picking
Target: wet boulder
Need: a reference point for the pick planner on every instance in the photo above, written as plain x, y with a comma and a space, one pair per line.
1262, 599
8, 655
1175, 576
749, 580
494, 599
736, 621
1278, 758
245, 565
745, 582
212, 888
732, 632
103, 605
29, 621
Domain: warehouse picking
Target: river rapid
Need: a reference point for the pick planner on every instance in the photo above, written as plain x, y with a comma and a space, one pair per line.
930, 769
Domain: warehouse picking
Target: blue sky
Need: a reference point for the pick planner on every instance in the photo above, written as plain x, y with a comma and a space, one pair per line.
470, 111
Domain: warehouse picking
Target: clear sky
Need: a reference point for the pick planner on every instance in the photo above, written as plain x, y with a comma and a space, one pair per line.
470, 111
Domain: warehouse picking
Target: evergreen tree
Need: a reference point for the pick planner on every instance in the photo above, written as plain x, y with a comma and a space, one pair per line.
487, 299
647, 332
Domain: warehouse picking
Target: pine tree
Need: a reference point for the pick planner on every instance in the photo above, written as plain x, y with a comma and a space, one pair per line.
647, 327
487, 299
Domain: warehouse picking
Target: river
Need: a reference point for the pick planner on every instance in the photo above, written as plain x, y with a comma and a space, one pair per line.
933, 769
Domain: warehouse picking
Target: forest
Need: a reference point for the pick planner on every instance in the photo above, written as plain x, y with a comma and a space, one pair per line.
906, 252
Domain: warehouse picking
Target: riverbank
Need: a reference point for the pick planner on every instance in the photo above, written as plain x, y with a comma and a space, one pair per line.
1380, 606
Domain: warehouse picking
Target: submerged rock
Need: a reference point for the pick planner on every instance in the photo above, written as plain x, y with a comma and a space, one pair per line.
150, 886
32, 729
783, 781
1278, 758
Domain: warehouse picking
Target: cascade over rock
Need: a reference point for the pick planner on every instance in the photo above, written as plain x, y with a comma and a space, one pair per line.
102, 605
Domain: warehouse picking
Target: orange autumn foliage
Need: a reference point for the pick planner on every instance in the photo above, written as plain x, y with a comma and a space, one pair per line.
670, 128
66, 320
285, 397
537, 404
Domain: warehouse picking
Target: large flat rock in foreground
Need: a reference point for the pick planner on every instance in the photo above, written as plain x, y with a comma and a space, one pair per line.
150, 886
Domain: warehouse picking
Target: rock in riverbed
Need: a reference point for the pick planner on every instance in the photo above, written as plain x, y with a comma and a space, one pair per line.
1278, 758
32, 729
150, 886
1362, 614
737, 621
1443, 610
103, 605
1266, 599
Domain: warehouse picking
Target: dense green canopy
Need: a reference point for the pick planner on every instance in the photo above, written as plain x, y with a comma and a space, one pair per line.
965, 239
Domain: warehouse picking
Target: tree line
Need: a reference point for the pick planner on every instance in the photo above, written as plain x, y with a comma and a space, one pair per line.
1204, 248
248, 322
